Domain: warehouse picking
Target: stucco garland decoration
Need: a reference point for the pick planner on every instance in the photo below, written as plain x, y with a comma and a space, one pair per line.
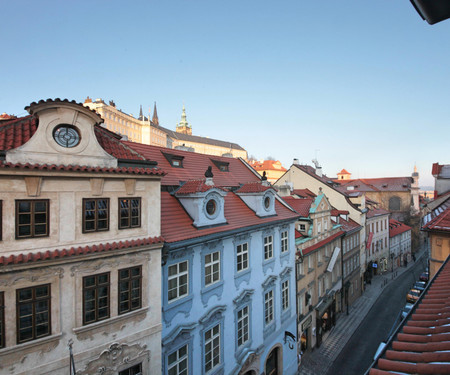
95, 265
31, 275
179, 253
109, 361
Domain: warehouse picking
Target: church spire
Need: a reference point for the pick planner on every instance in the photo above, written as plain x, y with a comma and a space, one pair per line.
155, 120
183, 126
141, 115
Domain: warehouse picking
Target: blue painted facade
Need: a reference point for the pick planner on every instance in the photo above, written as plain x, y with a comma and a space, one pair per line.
234, 323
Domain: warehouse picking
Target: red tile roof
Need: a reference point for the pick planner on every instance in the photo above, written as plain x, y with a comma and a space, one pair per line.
302, 206
82, 168
344, 172
421, 345
17, 132
335, 212
195, 165
378, 184
253, 187
304, 193
77, 251
376, 212
195, 186
298, 234
397, 227
439, 218
177, 225
349, 225
322, 243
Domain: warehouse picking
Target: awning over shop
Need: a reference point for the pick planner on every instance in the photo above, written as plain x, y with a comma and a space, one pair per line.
323, 305
337, 286
333, 259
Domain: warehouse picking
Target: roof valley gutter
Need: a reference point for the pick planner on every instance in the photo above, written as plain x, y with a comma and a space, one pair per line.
222, 235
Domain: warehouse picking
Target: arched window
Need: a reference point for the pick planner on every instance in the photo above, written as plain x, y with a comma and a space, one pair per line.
394, 204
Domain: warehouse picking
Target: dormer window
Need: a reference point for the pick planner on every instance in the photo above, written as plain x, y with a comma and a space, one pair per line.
221, 165
211, 207
174, 160
267, 203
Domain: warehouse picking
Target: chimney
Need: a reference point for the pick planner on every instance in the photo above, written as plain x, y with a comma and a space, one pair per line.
295, 162
319, 171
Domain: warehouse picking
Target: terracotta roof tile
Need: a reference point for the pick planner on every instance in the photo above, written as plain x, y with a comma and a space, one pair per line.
421, 344
177, 225
378, 184
376, 212
302, 206
304, 193
195, 186
396, 227
82, 168
439, 218
253, 187
75, 251
322, 243
195, 165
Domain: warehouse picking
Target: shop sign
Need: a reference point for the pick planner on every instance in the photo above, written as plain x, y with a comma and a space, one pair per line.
307, 323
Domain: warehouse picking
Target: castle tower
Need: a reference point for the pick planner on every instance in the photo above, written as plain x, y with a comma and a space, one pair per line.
183, 125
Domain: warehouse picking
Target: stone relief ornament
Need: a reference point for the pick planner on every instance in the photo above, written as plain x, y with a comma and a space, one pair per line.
108, 362
95, 265
31, 275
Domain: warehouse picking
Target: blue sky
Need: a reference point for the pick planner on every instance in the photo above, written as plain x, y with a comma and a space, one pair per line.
362, 85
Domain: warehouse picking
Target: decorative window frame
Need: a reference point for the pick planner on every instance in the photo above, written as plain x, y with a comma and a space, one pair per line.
183, 304
267, 286
216, 288
209, 320
268, 263
243, 275
32, 223
181, 335
244, 299
285, 275
284, 255
219, 202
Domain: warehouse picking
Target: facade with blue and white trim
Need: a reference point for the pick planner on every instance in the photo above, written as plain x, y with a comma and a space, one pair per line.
228, 304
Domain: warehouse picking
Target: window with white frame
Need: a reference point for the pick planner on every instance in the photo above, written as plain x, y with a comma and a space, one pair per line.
301, 227
284, 241
285, 295
310, 262
268, 247
268, 307
212, 268
319, 256
242, 257
319, 226
177, 362
243, 333
178, 280
212, 348
300, 268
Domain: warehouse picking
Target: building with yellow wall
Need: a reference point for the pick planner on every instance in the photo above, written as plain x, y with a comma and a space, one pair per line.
146, 131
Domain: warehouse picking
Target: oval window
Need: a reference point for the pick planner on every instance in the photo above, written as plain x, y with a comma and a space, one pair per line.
211, 207
267, 202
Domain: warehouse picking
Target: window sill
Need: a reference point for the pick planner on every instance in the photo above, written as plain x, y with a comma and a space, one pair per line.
30, 344
114, 319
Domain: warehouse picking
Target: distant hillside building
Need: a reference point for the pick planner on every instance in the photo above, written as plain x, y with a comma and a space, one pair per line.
400, 195
148, 131
273, 168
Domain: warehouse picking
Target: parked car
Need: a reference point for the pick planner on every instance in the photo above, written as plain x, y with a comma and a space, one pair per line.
412, 296
424, 276
406, 309
419, 285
